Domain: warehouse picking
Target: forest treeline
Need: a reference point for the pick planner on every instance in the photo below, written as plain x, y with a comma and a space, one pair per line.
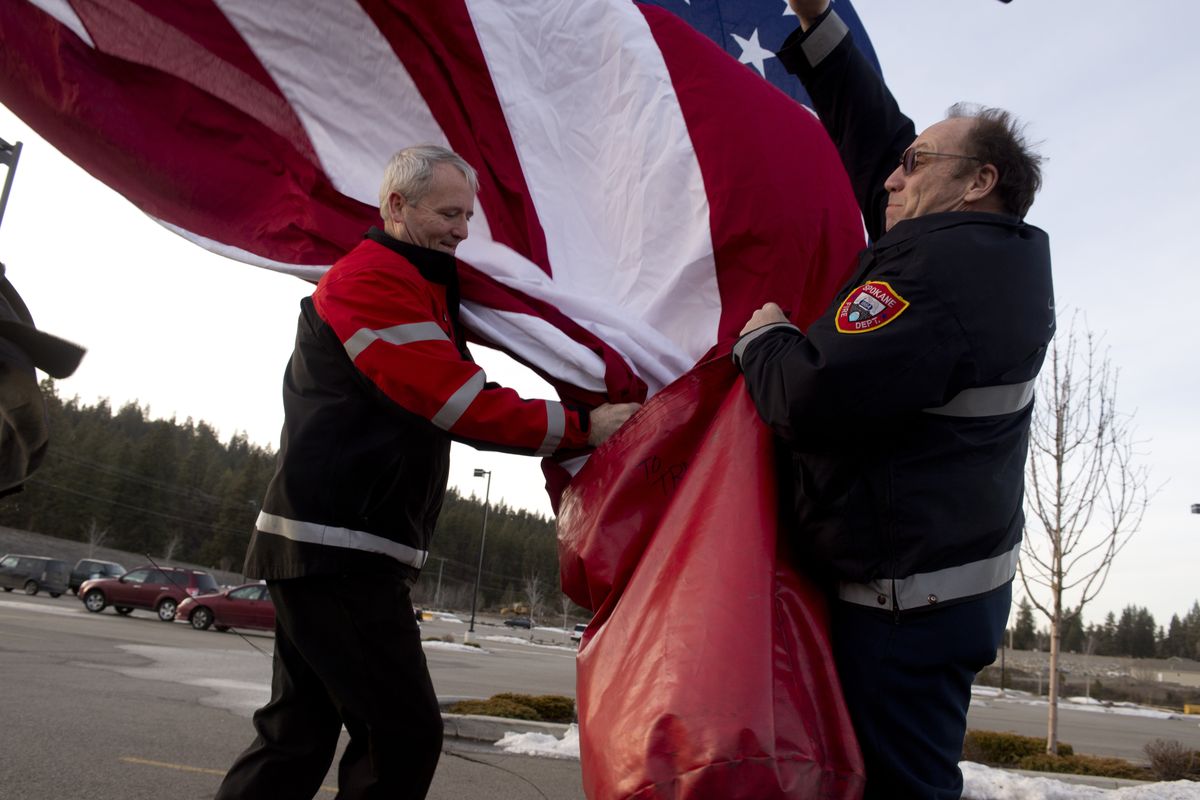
176, 491
1134, 633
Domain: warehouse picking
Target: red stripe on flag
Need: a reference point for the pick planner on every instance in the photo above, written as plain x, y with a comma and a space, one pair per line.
174, 150
621, 384
439, 48
773, 180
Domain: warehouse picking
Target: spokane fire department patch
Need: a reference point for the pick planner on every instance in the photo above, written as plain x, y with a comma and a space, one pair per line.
870, 306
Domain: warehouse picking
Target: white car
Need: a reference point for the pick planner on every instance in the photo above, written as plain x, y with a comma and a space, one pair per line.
577, 634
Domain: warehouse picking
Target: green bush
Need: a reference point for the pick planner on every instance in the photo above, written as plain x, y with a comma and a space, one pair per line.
550, 707
1084, 765
1005, 749
494, 708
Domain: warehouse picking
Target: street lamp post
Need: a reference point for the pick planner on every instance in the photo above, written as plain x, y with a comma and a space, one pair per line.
479, 473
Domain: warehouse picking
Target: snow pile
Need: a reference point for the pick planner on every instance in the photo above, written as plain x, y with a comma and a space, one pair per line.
985, 783
433, 644
542, 744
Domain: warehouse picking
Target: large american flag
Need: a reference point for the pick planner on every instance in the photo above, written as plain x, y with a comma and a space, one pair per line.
641, 190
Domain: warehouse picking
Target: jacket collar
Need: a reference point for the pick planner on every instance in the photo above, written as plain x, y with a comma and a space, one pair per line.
911, 228
434, 266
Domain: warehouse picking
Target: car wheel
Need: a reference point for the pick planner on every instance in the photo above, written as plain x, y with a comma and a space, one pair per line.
56, 594
166, 609
202, 618
94, 601
221, 628
123, 610
31, 588
8, 588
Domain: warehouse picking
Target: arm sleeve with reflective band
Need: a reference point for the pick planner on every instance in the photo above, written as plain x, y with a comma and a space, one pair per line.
392, 328
809, 388
856, 108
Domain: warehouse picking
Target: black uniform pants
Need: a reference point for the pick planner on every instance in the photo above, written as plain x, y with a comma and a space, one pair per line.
347, 652
907, 684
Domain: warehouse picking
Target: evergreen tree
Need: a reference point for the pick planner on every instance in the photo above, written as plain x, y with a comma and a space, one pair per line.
1024, 634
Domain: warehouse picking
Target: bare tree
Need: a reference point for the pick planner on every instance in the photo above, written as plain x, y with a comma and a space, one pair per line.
95, 537
1085, 495
535, 591
566, 609
172, 546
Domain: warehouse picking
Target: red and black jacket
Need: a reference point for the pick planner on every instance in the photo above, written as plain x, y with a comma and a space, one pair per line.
379, 383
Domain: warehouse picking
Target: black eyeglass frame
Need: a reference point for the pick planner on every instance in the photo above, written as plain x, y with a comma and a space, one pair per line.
908, 159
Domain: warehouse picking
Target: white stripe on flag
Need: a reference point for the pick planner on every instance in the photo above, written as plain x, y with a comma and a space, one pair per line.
307, 272
61, 10
356, 101
618, 190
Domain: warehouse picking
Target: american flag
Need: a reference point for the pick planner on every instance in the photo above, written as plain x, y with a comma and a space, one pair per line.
642, 191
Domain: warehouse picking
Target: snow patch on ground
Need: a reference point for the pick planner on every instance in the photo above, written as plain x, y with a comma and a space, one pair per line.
433, 644
992, 695
986, 783
543, 744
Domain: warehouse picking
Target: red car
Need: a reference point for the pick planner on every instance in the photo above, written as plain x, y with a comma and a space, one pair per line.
246, 606
158, 589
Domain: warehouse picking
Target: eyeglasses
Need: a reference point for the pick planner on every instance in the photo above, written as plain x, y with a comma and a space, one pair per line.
908, 161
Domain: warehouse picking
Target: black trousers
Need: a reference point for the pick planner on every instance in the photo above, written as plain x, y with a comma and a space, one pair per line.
347, 652
907, 685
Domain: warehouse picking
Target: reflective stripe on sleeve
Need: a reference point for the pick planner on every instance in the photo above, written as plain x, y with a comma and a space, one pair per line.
397, 334
821, 41
458, 403
330, 536
930, 588
987, 401
556, 427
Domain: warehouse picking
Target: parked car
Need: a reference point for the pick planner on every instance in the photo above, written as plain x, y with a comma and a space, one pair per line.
160, 589
577, 634
247, 606
92, 568
33, 574
519, 622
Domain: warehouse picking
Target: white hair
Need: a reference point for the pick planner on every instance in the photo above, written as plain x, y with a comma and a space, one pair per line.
410, 173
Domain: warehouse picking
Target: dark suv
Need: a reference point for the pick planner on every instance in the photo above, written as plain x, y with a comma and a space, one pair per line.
92, 568
33, 574
160, 589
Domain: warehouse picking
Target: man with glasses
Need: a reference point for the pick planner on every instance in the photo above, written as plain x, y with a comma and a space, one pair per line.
907, 406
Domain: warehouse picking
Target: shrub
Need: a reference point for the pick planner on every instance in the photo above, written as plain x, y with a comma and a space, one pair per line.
494, 708
1005, 749
1083, 765
1170, 760
550, 707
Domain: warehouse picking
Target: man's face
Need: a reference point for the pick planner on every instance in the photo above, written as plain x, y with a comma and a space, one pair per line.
932, 186
439, 220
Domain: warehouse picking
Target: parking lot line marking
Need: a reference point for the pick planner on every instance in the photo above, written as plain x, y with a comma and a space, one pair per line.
145, 762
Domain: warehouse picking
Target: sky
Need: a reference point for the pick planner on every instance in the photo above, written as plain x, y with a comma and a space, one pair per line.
1103, 88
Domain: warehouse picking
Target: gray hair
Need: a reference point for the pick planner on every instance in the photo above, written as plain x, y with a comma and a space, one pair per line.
410, 173
997, 138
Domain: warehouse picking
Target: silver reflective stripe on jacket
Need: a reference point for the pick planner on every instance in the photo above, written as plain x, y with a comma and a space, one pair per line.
556, 426
824, 38
930, 588
457, 405
330, 536
987, 401
397, 334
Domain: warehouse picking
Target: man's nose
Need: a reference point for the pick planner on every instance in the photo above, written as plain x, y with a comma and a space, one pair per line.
895, 181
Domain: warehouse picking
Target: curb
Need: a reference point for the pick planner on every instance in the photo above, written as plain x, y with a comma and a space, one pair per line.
492, 729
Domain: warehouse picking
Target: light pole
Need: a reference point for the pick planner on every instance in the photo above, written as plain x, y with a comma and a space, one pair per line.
479, 473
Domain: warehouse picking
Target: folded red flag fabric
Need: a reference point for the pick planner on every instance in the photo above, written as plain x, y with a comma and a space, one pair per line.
707, 670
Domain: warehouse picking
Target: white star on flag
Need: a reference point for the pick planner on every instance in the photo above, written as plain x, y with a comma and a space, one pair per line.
753, 53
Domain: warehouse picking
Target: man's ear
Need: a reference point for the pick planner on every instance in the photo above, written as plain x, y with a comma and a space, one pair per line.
395, 205
982, 186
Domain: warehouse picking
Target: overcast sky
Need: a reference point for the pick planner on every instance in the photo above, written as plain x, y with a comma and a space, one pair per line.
1109, 90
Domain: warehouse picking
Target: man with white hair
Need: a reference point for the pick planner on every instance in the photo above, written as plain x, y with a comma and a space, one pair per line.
378, 385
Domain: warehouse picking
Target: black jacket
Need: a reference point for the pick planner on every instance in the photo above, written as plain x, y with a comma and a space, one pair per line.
907, 404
